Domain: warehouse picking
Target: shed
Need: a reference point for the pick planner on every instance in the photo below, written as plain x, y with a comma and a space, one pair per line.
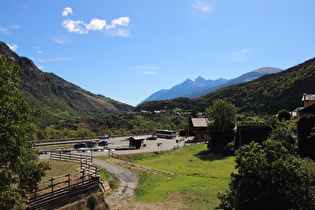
136, 142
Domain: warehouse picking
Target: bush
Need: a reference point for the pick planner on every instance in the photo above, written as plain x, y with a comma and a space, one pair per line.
92, 201
284, 115
270, 178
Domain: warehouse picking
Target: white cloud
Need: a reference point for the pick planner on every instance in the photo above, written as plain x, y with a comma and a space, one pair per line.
13, 47
240, 55
40, 67
15, 27
39, 51
118, 32
202, 5
61, 40
122, 21
5, 31
67, 11
149, 72
74, 26
59, 59
55, 59
96, 24
144, 67
193, 57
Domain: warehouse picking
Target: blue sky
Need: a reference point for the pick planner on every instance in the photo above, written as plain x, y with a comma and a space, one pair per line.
129, 49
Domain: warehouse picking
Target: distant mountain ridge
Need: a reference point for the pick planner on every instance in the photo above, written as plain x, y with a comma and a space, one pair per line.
200, 87
269, 93
186, 87
247, 77
56, 97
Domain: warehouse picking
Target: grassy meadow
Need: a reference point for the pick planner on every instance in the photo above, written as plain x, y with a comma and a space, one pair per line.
199, 176
59, 168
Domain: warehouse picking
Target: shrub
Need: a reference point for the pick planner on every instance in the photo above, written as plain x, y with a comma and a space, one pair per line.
269, 177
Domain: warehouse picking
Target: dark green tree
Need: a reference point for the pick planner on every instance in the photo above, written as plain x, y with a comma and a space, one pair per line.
284, 115
20, 170
306, 136
271, 178
222, 120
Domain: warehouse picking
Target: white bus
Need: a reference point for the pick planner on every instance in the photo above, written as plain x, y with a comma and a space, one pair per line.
167, 134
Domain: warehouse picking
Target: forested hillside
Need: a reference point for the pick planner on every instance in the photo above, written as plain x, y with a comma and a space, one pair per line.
57, 98
268, 94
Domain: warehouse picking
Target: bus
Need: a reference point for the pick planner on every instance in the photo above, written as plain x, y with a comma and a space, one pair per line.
167, 134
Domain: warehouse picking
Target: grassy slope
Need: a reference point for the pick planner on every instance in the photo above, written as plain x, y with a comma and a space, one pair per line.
199, 177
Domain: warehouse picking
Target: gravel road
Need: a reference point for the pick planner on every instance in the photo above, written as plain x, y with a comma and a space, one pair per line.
127, 181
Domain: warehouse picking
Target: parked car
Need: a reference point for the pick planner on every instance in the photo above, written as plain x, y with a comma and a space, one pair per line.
104, 137
80, 145
90, 144
103, 143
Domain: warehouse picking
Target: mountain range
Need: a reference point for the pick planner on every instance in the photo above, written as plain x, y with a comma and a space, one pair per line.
269, 93
185, 88
200, 87
57, 98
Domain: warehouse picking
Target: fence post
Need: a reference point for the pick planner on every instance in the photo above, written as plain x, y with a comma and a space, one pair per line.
35, 194
52, 185
69, 180
83, 176
90, 171
95, 171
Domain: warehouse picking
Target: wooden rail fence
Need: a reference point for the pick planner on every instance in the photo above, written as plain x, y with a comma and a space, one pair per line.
63, 189
71, 157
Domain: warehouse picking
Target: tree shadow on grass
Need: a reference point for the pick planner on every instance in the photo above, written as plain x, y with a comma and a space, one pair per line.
207, 155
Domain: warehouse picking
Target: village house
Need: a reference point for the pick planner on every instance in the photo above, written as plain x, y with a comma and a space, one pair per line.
200, 128
309, 106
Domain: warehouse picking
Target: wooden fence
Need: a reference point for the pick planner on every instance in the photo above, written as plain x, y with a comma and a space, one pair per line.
71, 157
63, 189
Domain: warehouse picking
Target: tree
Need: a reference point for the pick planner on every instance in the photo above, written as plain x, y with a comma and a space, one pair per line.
284, 115
286, 133
306, 136
19, 168
222, 119
271, 178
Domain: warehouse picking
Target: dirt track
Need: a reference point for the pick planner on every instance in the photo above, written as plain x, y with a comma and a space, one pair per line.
127, 182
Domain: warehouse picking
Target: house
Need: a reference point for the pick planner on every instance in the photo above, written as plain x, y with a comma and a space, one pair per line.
309, 110
308, 99
309, 106
200, 128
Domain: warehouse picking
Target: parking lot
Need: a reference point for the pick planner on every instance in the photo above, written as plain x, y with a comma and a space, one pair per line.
117, 144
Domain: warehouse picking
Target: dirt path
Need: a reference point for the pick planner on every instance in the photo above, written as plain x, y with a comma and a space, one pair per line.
127, 182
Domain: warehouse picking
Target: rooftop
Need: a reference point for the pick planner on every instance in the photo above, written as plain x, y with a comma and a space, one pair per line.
308, 97
200, 122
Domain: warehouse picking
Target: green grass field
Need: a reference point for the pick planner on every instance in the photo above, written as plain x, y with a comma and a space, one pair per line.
199, 176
